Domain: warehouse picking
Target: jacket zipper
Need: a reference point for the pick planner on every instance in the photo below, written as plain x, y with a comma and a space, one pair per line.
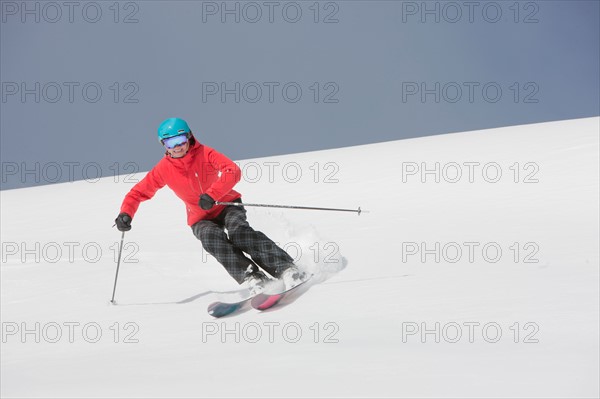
201, 189
199, 183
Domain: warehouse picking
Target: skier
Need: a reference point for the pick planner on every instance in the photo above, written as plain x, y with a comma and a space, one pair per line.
199, 176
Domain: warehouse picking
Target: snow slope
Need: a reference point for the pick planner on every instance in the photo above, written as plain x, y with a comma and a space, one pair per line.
504, 275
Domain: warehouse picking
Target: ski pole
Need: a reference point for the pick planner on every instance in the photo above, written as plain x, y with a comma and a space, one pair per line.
358, 211
118, 264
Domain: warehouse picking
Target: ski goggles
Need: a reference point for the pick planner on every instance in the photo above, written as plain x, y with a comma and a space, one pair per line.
175, 141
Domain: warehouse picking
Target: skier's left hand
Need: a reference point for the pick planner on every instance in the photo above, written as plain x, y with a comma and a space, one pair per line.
123, 222
206, 202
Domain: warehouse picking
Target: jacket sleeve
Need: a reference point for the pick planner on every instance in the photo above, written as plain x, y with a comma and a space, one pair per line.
142, 191
230, 174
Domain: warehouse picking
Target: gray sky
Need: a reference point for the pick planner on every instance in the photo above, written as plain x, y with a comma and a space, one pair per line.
85, 84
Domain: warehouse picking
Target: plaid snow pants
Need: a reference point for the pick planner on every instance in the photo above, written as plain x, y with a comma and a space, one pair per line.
230, 248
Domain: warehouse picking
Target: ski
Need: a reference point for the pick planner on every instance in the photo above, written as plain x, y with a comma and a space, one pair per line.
264, 301
221, 309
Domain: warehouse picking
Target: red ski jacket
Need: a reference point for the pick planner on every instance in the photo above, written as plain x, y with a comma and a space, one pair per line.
201, 170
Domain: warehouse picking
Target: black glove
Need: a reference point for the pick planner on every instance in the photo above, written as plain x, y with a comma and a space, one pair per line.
123, 222
206, 202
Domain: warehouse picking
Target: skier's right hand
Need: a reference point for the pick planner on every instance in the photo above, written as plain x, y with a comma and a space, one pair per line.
123, 222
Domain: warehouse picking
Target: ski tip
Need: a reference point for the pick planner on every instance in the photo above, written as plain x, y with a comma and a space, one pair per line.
220, 309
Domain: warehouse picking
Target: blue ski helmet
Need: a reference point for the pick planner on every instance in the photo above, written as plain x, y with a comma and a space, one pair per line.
172, 127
